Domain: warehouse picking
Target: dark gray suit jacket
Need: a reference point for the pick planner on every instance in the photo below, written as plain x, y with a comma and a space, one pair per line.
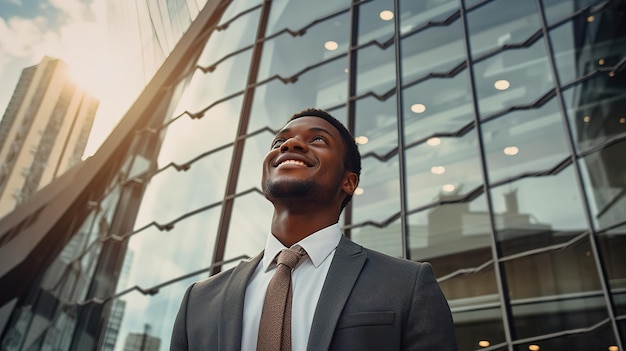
369, 301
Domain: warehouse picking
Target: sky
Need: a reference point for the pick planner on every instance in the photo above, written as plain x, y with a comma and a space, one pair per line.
74, 31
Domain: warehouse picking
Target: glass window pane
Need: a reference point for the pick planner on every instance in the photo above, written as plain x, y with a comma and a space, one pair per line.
386, 239
612, 246
287, 55
376, 127
524, 142
254, 152
379, 199
601, 338
187, 137
376, 21
501, 22
556, 10
537, 212
446, 171
436, 49
296, 14
165, 199
376, 70
428, 112
554, 291
416, 14
604, 174
513, 78
322, 87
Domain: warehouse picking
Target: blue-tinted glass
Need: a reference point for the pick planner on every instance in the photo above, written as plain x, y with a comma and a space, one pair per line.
322, 87
437, 49
417, 14
611, 245
376, 21
256, 147
380, 195
386, 238
513, 78
376, 70
297, 14
437, 106
604, 175
376, 126
524, 142
556, 10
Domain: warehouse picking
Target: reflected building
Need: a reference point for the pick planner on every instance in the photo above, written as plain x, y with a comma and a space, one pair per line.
43, 132
492, 134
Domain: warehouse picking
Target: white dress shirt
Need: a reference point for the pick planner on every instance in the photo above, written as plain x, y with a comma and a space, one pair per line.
307, 279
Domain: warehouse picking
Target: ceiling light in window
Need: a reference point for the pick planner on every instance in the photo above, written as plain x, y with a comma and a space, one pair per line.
484, 343
586, 119
433, 141
418, 108
613, 348
346, 70
331, 45
511, 150
590, 19
358, 191
534, 347
438, 170
502, 84
622, 120
386, 15
361, 140
450, 188
601, 62
612, 74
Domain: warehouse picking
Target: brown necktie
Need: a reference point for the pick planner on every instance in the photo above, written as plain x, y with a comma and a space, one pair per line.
275, 325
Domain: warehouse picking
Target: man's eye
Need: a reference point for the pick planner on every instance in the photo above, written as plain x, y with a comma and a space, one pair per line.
277, 143
319, 139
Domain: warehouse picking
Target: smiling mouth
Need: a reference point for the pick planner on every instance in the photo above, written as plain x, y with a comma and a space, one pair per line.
292, 162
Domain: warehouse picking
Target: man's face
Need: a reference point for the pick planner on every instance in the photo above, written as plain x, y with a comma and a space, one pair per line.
305, 161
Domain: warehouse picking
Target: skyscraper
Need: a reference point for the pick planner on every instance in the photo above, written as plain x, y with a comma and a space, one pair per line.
43, 132
492, 134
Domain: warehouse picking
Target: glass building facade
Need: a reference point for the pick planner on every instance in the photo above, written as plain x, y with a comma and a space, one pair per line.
493, 137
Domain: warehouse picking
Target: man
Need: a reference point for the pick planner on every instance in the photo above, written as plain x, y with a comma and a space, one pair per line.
345, 297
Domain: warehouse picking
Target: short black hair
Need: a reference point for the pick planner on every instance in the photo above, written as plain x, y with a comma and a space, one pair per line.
352, 156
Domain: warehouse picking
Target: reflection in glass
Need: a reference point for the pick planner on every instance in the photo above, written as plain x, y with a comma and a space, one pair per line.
376, 21
540, 211
380, 195
600, 338
416, 14
556, 10
322, 87
524, 141
376, 70
527, 75
376, 121
254, 152
611, 246
386, 239
295, 14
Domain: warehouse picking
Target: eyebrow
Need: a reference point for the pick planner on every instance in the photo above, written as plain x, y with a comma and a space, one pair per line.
312, 129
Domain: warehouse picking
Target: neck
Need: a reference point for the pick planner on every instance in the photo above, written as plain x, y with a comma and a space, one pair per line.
290, 227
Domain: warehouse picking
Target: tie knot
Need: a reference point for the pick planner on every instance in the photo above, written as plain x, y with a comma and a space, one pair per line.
290, 257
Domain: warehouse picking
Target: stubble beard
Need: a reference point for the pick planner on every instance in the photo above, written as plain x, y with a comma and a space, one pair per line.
297, 189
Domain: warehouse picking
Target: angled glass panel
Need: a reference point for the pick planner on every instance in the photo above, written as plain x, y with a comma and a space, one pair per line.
604, 175
148, 320
595, 109
447, 170
170, 193
376, 70
287, 55
239, 34
597, 338
428, 111
187, 138
537, 212
525, 142
296, 14
378, 198
554, 291
249, 227
416, 14
385, 238
501, 22
611, 245
589, 43
434, 49
556, 10
256, 147
376, 21
322, 87
236, 7
207, 88
517, 77
376, 127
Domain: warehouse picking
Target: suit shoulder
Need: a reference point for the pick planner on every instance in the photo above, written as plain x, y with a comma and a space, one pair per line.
395, 263
212, 282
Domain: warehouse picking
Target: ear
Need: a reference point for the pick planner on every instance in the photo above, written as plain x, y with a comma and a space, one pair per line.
350, 182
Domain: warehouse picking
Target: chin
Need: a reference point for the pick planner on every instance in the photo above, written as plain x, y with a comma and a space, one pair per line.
288, 189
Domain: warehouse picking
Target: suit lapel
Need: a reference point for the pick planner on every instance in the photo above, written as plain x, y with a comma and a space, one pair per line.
343, 273
231, 316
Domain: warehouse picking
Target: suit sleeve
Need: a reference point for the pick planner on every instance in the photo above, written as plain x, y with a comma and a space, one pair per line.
429, 325
179, 334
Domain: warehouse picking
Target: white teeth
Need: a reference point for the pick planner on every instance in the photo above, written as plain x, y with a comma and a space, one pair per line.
292, 162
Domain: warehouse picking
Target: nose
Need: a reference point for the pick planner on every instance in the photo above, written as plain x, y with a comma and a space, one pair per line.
293, 143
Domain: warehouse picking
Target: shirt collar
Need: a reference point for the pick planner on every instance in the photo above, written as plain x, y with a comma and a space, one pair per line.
318, 245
